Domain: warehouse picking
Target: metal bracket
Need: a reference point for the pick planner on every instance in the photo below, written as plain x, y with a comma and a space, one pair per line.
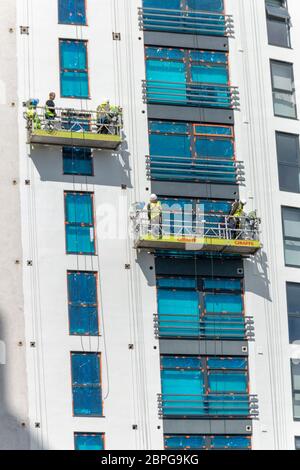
24, 30
116, 36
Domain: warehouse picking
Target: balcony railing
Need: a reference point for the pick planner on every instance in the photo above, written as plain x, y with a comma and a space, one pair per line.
211, 326
202, 169
212, 405
186, 22
78, 128
204, 95
190, 231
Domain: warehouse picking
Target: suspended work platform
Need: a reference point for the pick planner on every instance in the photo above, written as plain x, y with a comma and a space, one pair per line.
196, 232
74, 128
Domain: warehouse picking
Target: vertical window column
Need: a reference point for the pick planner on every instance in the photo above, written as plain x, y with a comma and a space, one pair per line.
86, 384
79, 220
83, 303
73, 69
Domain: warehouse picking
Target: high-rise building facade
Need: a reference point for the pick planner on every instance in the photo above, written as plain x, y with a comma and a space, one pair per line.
139, 323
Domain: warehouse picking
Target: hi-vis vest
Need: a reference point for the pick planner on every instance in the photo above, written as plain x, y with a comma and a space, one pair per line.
239, 210
154, 210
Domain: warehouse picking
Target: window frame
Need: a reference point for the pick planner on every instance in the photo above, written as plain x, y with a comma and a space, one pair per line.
288, 238
285, 164
62, 70
93, 225
291, 315
73, 23
285, 92
99, 354
276, 20
97, 307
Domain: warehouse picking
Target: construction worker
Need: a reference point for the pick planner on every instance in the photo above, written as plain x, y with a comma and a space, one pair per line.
50, 112
115, 116
236, 217
31, 114
154, 209
103, 119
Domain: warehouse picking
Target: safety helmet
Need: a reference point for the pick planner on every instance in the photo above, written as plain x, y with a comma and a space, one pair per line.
243, 202
153, 198
33, 102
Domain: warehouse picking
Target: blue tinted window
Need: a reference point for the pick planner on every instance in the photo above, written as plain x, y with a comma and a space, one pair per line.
187, 152
77, 161
86, 384
191, 388
80, 234
73, 69
83, 303
189, 16
184, 442
187, 77
207, 442
89, 441
230, 442
71, 12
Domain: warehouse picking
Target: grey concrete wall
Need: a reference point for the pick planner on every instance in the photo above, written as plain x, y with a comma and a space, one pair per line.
14, 432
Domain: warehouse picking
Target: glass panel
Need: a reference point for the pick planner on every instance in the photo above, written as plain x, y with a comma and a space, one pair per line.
218, 303
177, 282
282, 76
206, 5
87, 401
89, 441
74, 84
289, 178
170, 145
226, 382
73, 55
71, 12
288, 148
77, 161
83, 309
85, 368
79, 208
293, 298
230, 442
214, 147
80, 240
178, 302
227, 363
285, 105
170, 127
294, 329
165, 71
173, 362
291, 218
278, 32
224, 284
204, 74
296, 375
184, 442
292, 253
86, 384
214, 130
